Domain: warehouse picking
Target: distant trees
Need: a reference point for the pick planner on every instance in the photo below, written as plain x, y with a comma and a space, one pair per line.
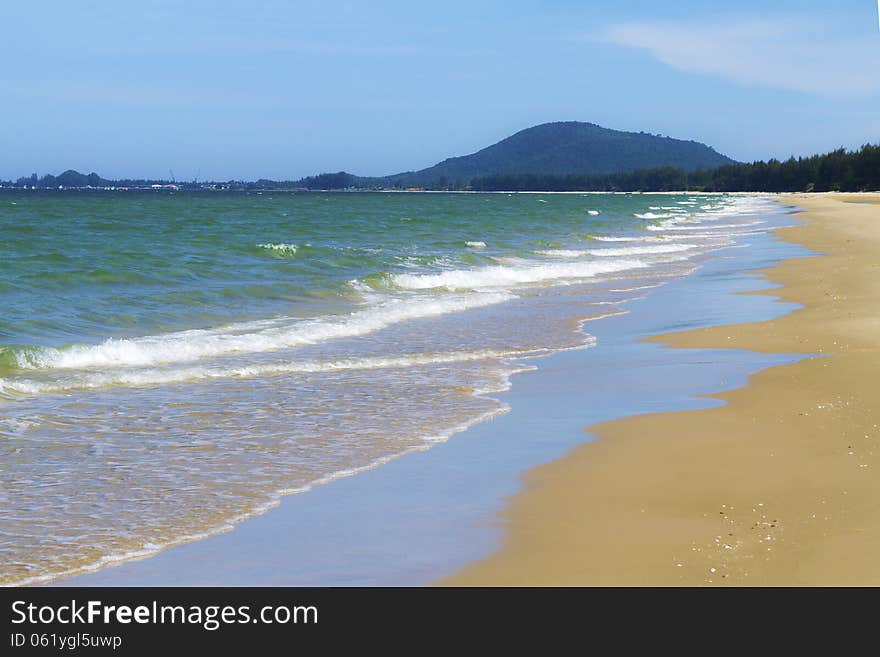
839, 170
29, 181
69, 178
339, 180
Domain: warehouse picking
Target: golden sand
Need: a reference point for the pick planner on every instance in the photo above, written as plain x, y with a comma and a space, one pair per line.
781, 486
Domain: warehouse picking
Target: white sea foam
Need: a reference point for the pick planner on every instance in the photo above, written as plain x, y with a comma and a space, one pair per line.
15, 425
651, 215
250, 337
640, 238
615, 313
511, 276
643, 250
285, 249
172, 375
635, 288
702, 227
717, 235
621, 251
564, 253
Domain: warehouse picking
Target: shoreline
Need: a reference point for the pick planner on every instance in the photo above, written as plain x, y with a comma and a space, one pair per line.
777, 486
362, 531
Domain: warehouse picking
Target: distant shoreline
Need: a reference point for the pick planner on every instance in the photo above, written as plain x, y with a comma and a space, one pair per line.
562, 156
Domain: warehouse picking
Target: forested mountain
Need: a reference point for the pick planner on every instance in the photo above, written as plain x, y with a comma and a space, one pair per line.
565, 148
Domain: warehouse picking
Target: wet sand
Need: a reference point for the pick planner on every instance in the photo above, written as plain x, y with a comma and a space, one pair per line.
780, 486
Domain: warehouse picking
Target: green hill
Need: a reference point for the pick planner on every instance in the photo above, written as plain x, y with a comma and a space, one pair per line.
566, 148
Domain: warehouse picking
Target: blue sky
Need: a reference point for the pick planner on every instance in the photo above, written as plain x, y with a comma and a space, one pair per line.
282, 89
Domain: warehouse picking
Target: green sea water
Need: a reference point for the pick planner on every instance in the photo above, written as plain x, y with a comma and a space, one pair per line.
171, 363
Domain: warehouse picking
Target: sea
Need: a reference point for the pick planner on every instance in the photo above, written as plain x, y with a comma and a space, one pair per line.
172, 363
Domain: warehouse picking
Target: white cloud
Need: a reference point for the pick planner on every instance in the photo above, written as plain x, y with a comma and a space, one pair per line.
791, 54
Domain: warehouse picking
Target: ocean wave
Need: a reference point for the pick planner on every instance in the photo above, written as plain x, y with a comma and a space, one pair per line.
280, 249
651, 215
167, 376
635, 288
703, 226
500, 276
249, 337
621, 251
717, 235
640, 238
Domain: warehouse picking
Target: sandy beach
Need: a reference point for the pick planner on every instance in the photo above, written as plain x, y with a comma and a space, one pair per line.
779, 486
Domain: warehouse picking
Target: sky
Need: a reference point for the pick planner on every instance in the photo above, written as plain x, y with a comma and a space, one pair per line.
220, 90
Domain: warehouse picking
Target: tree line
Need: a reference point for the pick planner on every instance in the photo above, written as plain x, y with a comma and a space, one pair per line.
840, 170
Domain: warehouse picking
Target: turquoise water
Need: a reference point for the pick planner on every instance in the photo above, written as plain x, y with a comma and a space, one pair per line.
172, 363
84, 267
